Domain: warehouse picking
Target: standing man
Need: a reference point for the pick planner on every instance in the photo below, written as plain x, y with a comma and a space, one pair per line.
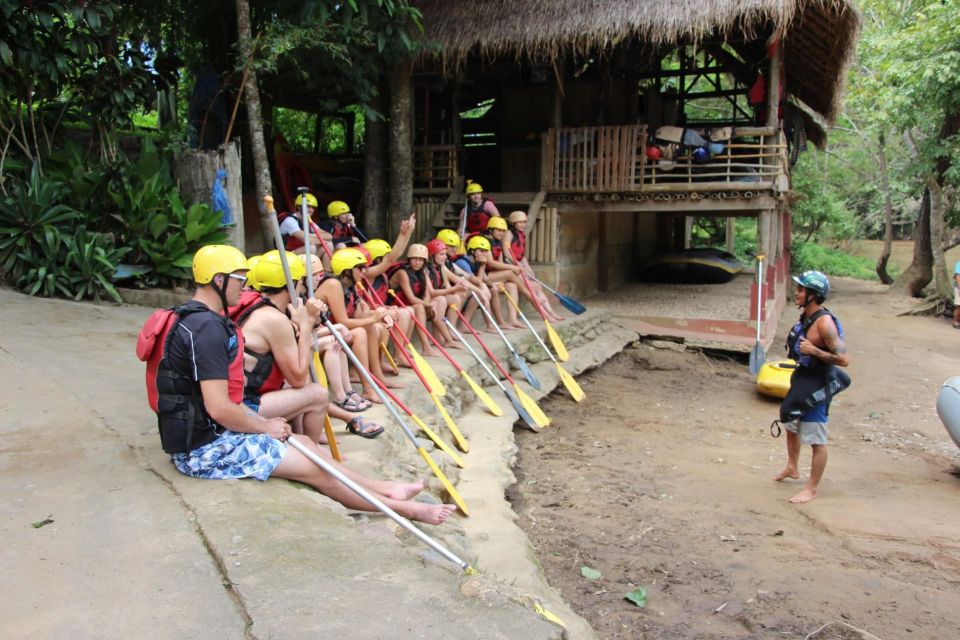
816, 342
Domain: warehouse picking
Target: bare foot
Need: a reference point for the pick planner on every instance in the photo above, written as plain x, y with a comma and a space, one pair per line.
388, 368
517, 325
430, 513
786, 473
393, 384
491, 330
403, 363
430, 352
404, 490
453, 344
372, 396
806, 495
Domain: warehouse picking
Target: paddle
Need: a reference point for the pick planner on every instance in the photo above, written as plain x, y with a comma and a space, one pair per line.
569, 303
484, 397
757, 356
575, 391
539, 417
555, 340
379, 506
454, 429
517, 358
514, 400
295, 301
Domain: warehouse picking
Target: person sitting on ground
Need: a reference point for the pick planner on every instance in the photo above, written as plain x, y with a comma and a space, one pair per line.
516, 241
499, 272
195, 380
477, 211
816, 342
461, 267
339, 229
276, 352
474, 263
410, 284
338, 291
451, 289
291, 225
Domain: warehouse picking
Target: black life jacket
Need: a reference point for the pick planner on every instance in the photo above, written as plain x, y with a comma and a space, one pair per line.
799, 331
350, 297
265, 376
477, 217
496, 248
175, 397
381, 287
813, 382
418, 282
436, 277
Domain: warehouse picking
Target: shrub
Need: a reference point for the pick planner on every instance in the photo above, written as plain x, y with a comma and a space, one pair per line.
807, 256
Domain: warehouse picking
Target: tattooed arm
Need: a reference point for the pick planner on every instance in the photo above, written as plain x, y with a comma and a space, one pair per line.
835, 351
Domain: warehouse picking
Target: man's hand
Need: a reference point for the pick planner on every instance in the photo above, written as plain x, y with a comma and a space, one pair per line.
407, 226
300, 317
317, 308
807, 348
277, 428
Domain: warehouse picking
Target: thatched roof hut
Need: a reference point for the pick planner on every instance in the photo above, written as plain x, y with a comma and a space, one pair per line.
819, 36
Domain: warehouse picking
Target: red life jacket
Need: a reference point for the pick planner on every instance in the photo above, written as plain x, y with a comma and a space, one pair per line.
436, 277
381, 287
290, 242
496, 248
175, 397
340, 232
418, 283
518, 244
477, 216
265, 375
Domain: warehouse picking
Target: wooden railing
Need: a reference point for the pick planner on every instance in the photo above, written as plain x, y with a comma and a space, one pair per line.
434, 168
614, 159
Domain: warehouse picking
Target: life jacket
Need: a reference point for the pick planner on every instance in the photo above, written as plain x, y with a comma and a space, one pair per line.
265, 376
381, 287
435, 275
290, 242
496, 248
175, 397
477, 216
340, 232
799, 331
350, 296
418, 282
518, 244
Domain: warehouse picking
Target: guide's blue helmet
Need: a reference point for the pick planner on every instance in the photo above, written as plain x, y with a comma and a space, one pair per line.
816, 282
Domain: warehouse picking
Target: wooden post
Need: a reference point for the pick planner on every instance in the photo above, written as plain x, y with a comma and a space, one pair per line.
731, 232
773, 85
374, 199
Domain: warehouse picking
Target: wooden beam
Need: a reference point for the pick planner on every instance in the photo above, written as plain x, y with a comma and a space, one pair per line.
737, 207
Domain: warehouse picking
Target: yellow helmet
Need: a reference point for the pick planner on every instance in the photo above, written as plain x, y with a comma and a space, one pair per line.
449, 237
346, 259
516, 216
311, 201
269, 270
316, 266
474, 187
251, 275
496, 222
212, 259
337, 208
478, 242
418, 251
377, 248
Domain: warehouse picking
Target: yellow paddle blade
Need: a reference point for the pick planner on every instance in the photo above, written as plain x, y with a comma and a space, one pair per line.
331, 439
443, 446
571, 384
318, 366
532, 408
457, 500
426, 371
462, 443
485, 398
537, 607
557, 343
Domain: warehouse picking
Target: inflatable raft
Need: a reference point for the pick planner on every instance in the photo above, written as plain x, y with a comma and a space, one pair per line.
693, 266
948, 408
774, 377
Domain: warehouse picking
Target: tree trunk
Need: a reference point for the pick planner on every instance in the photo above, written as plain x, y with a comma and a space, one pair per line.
251, 93
374, 205
941, 283
887, 215
920, 271
196, 170
401, 146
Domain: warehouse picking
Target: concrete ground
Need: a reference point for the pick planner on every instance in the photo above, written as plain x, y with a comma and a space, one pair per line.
101, 537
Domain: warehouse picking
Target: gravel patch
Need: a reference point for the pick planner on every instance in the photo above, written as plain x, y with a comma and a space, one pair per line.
728, 301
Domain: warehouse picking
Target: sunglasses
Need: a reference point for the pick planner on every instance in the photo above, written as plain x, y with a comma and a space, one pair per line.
237, 276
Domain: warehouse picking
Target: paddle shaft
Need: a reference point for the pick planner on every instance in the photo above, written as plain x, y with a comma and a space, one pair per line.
759, 294
529, 326
436, 343
473, 352
377, 503
486, 349
490, 319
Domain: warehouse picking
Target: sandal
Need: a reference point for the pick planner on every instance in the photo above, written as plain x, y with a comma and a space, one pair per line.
351, 405
364, 428
359, 399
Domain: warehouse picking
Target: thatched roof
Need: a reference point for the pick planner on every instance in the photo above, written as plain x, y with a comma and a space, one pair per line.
819, 35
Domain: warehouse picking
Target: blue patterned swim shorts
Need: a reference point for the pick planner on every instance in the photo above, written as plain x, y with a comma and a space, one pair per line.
233, 455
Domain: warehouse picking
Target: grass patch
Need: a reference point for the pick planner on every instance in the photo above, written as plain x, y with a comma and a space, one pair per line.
832, 262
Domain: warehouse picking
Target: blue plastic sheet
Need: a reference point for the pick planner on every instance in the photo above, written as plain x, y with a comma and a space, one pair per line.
220, 202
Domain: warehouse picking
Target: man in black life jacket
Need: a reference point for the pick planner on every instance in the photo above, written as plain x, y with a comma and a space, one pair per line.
196, 381
817, 343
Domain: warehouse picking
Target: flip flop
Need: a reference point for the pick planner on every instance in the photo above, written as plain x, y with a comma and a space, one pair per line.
364, 428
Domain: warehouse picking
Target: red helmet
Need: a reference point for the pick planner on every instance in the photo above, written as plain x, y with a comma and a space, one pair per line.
654, 153
366, 254
436, 246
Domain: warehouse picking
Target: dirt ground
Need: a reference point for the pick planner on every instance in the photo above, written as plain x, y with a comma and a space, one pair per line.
662, 479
